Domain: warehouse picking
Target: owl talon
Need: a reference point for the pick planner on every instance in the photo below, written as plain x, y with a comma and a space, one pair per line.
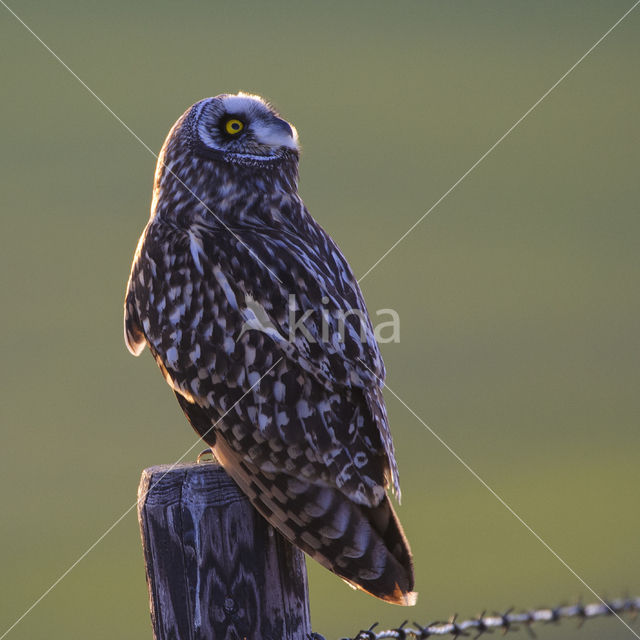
206, 452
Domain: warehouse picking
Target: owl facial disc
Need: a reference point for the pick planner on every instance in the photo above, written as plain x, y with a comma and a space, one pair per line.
242, 128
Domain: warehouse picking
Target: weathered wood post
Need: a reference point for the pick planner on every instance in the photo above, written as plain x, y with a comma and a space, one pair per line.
215, 569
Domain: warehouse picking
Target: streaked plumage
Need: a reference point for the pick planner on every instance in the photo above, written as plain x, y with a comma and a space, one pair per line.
296, 418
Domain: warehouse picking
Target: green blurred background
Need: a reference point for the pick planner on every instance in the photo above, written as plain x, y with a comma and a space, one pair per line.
518, 295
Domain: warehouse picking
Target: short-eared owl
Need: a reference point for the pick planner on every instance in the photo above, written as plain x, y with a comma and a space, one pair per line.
258, 325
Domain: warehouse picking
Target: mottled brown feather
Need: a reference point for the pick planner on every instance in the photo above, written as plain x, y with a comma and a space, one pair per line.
297, 419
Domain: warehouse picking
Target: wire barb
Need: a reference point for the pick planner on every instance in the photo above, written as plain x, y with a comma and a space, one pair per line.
506, 622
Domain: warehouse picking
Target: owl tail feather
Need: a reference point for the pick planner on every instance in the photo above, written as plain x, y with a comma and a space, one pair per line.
365, 546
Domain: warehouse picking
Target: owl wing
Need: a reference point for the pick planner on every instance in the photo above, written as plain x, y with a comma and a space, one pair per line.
364, 545
314, 308
299, 288
335, 342
190, 296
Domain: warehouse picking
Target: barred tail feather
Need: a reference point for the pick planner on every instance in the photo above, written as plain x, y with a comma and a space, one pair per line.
365, 546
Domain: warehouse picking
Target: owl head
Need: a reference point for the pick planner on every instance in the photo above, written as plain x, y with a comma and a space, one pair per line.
241, 129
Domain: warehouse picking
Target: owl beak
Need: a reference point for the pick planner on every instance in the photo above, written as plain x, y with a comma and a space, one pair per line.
283, 126
277, 132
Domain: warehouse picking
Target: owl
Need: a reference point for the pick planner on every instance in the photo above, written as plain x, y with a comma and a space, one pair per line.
257, 323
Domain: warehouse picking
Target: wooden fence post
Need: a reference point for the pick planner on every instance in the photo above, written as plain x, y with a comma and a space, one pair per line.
215, 569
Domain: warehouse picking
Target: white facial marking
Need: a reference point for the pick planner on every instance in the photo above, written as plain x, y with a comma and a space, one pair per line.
243, 103
259, 121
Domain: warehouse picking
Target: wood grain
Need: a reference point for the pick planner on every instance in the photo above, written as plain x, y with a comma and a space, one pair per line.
215, 569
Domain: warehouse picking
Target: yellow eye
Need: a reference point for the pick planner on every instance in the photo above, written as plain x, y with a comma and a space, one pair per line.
233, 126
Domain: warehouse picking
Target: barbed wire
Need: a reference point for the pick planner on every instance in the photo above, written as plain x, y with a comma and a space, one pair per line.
506, 622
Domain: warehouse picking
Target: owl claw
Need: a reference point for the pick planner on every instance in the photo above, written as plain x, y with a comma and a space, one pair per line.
204, 453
